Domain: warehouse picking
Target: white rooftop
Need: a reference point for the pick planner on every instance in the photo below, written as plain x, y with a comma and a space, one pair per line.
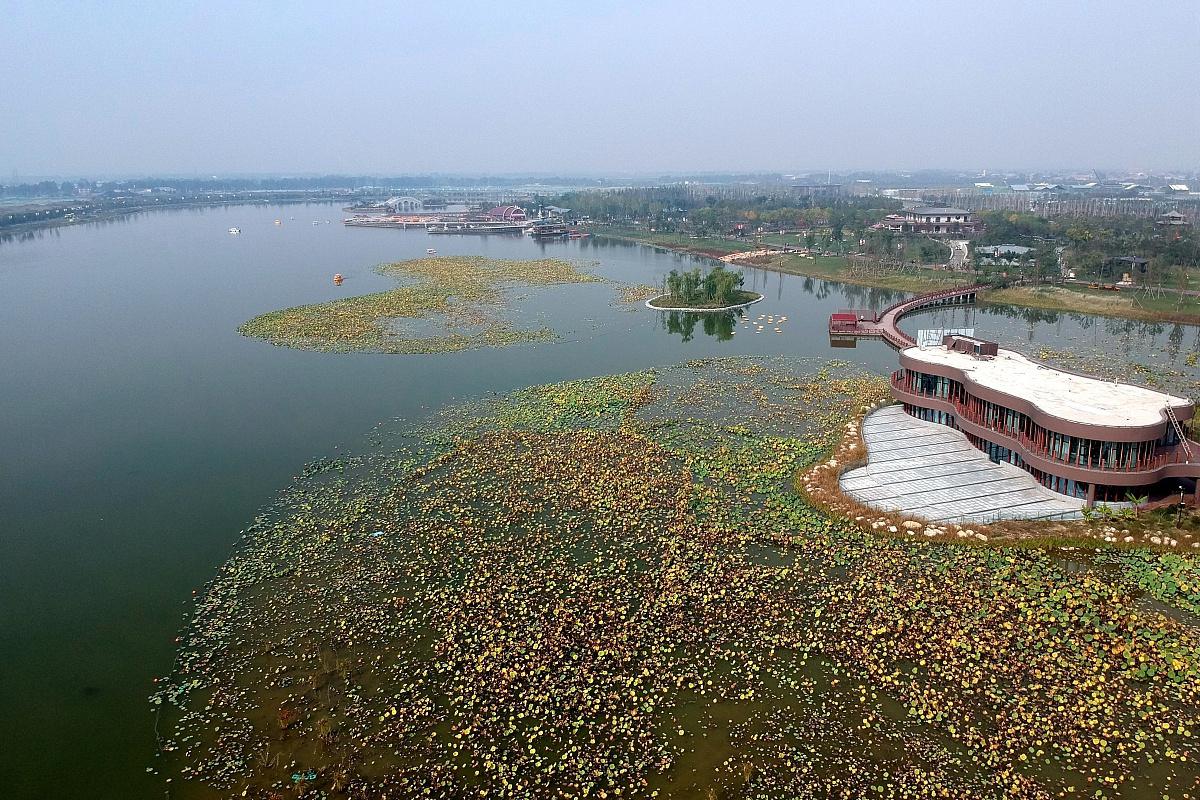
1071, 397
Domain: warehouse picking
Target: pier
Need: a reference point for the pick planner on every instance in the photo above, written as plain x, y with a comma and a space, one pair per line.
886, 324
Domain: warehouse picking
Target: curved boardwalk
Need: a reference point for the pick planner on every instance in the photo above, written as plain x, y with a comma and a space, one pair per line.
887, 322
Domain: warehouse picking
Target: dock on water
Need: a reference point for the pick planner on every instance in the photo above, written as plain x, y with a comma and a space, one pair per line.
851, 323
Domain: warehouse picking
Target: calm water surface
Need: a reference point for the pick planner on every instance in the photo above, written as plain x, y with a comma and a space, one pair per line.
140, 432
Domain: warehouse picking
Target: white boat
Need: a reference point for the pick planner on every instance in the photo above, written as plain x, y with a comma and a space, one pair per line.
431, 251
235, 231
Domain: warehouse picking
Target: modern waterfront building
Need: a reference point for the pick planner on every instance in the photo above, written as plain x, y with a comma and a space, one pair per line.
1080, 436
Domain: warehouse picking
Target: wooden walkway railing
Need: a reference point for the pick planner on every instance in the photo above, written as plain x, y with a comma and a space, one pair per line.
888, 324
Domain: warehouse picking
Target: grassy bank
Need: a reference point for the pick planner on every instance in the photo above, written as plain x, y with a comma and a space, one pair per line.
836, 268
713, 247
1080, 299
1066, 298
739, 298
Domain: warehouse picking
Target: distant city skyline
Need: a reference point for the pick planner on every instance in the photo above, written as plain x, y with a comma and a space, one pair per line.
190, 89
815, 175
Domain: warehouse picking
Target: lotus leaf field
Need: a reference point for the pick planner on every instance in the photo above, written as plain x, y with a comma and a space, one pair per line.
609, 588
461, 293
636, 294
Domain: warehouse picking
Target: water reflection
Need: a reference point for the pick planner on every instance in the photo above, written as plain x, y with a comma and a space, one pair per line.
714, 323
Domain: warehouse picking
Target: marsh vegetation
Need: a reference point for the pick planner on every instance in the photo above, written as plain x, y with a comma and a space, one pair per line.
609, 587
462, 294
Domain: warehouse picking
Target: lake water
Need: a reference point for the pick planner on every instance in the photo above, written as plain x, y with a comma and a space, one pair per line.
140, 433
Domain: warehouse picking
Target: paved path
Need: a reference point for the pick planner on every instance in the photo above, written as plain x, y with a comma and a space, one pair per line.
931, 471
958, 253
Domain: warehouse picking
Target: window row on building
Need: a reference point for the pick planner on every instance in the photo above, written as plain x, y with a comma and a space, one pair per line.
1052, 445
999, 454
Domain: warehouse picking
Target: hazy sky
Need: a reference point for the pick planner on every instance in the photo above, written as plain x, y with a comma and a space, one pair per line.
396, 86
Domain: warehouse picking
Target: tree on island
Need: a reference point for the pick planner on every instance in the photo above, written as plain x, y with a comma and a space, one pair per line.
720, 286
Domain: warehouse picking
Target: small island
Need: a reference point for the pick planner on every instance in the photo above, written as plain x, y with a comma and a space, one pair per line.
719, 289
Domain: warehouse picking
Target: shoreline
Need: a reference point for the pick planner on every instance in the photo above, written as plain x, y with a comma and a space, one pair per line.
23, 229
1048, 297
759, 299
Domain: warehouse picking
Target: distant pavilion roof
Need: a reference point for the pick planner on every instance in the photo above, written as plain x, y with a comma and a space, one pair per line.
507, 212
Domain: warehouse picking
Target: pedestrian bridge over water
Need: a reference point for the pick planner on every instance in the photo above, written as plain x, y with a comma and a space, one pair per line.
886, 324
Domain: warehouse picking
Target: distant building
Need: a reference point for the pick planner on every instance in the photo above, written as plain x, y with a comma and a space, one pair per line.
507, 214
1177, 188
931, 220
1130, 263
1173, 218
814, 189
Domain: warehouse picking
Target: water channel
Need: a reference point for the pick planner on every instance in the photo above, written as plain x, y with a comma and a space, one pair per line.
140, 432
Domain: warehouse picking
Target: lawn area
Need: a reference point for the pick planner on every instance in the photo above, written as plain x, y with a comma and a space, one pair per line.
714, 246
1077, 298
834, 268
789, 239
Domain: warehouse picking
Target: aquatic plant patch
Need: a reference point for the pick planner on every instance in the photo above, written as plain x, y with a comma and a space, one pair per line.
462, 293
609, 588
636, 294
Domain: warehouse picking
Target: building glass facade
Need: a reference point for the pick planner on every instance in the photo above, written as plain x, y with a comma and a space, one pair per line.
1035, 439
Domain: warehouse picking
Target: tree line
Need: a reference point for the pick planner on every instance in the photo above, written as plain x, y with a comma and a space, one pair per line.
1093, 243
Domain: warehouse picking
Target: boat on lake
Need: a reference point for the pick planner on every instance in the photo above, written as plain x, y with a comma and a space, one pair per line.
547, 229
475, 228
235, 231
